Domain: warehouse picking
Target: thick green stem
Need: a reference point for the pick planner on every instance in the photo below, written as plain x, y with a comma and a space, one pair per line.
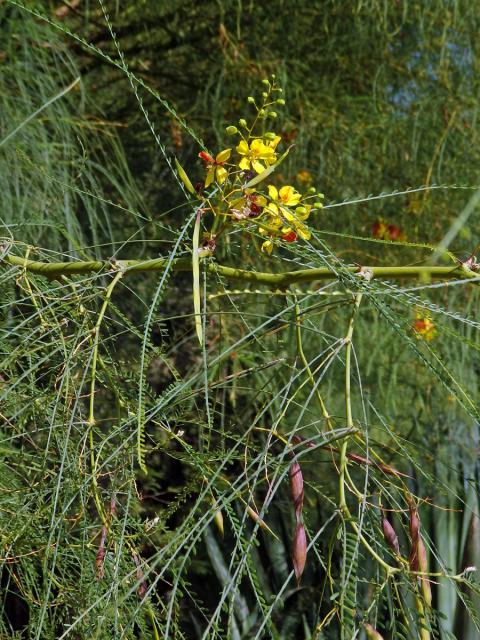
55, 269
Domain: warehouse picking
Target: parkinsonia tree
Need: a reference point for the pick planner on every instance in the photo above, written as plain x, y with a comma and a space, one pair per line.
245, 437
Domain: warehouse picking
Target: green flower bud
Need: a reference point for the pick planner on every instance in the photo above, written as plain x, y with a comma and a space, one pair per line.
272, 114
281, 101
231, 130
264, 94
262, 113
266, 82
300, 210
273, 76
318, 205
311, 190
270, 135
243, 123
251, 100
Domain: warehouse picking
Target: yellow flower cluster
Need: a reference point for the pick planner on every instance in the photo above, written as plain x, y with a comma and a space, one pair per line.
278, 214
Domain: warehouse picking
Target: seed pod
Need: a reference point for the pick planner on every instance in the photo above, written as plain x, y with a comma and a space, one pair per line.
261, 523
426, 590
415, 536
299, 551
184, 178
142, 587
218, 518
372, 633
296, 488
390, 536
422, 555
113, 505
100, 557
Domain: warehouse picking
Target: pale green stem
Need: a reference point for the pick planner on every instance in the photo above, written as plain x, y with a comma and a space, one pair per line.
343, 452
91, 415
304, 360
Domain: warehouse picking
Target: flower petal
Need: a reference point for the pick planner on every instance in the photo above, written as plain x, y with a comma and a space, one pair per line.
256, 146
223, 156
267, 246
258, 166
303, 231
303, 212
210, 176
244, 164
206, 157
222, 175
242, 148
274, 143
272, 192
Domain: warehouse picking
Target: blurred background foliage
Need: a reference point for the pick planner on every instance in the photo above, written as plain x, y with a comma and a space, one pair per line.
381, 99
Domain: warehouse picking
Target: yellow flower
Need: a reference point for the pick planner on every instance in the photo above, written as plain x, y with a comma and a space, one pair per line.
250, 205
280, 214
258, 155
287, 196
267, 247
215, 169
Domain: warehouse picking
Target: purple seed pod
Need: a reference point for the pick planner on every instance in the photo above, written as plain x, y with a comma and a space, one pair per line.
99, 558
296, 488
113, 505
422, 555
413, 558
372, 633
299, 551
142, 587
390, 536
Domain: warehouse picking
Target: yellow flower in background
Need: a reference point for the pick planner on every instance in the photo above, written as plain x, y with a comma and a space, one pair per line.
258, 155
305, 178
215, 169
424, 327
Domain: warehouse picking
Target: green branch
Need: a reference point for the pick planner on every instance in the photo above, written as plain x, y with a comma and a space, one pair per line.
55, 269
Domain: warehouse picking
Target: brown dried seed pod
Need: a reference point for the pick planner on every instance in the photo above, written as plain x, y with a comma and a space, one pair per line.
299, 551
296, 488
390, 536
